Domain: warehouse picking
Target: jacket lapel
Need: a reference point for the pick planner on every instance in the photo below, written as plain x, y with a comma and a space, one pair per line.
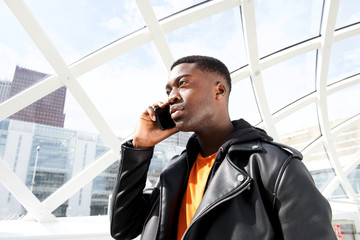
228, 181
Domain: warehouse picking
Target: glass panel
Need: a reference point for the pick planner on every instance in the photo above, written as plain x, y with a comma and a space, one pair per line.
347, 144
284, 23
242, 102
343, 105
10, 209
164, 8
300, 128
80, 203
322, 178
345, 59
123, 88
78, 28
75, 117
288, 81
18, 53
339, 193
354, 179
320, 167
349, 13
219, 36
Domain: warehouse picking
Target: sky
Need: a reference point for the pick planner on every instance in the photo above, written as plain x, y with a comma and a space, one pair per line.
123, 87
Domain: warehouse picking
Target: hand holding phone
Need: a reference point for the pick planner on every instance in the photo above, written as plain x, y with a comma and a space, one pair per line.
150, 129
163, 117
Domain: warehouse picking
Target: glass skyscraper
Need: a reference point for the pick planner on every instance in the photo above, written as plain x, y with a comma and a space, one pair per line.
49, 110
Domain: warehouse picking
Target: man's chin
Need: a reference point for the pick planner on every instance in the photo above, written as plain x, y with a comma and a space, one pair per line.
181, 126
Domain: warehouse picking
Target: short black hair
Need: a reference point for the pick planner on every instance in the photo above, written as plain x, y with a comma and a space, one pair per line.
207, 64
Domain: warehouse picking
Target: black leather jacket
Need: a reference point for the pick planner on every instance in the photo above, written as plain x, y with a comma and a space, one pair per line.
257, 189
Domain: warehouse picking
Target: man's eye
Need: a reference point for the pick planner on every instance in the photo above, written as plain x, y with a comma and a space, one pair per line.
182, 83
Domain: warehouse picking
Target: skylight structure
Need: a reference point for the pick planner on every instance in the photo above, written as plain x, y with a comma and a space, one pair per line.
295, 67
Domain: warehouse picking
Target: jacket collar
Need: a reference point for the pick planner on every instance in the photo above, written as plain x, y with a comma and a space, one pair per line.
243, 133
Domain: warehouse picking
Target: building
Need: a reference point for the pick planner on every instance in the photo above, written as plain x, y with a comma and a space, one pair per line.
63, 154
49, 110
5, 87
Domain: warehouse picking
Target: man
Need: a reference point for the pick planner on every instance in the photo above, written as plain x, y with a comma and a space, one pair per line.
231, 182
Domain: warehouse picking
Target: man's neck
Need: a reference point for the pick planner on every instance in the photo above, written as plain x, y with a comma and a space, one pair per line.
211, 140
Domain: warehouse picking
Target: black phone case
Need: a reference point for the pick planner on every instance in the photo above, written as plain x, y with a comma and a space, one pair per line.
163, 118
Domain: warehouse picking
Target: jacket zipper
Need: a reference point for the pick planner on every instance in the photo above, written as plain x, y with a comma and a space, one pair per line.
247, 187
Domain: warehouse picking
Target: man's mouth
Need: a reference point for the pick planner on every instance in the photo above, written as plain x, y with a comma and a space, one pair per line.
175, 110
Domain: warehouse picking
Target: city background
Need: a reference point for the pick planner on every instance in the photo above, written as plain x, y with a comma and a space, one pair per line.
37, 132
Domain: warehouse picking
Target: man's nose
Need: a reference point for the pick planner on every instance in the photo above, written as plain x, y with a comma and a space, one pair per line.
173, 96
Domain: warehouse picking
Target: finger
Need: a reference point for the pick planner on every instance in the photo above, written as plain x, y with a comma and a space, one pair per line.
158, 104
161, 104
150, 111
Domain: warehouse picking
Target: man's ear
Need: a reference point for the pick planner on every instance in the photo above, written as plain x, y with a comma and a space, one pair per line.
220, 90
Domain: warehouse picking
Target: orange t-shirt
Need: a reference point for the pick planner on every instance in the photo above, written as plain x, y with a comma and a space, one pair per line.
194, 191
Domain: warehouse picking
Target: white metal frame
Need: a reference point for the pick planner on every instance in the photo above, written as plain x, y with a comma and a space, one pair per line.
66, 75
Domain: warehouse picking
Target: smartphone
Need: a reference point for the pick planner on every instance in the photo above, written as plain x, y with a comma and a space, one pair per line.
163, 117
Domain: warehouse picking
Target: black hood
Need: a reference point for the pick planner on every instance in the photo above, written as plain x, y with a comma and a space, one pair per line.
243, 132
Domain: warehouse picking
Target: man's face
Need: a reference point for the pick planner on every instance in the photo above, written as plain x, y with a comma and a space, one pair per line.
191, 95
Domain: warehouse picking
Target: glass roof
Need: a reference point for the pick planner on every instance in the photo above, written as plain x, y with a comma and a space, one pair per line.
296, 22
295, 69
93, 25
